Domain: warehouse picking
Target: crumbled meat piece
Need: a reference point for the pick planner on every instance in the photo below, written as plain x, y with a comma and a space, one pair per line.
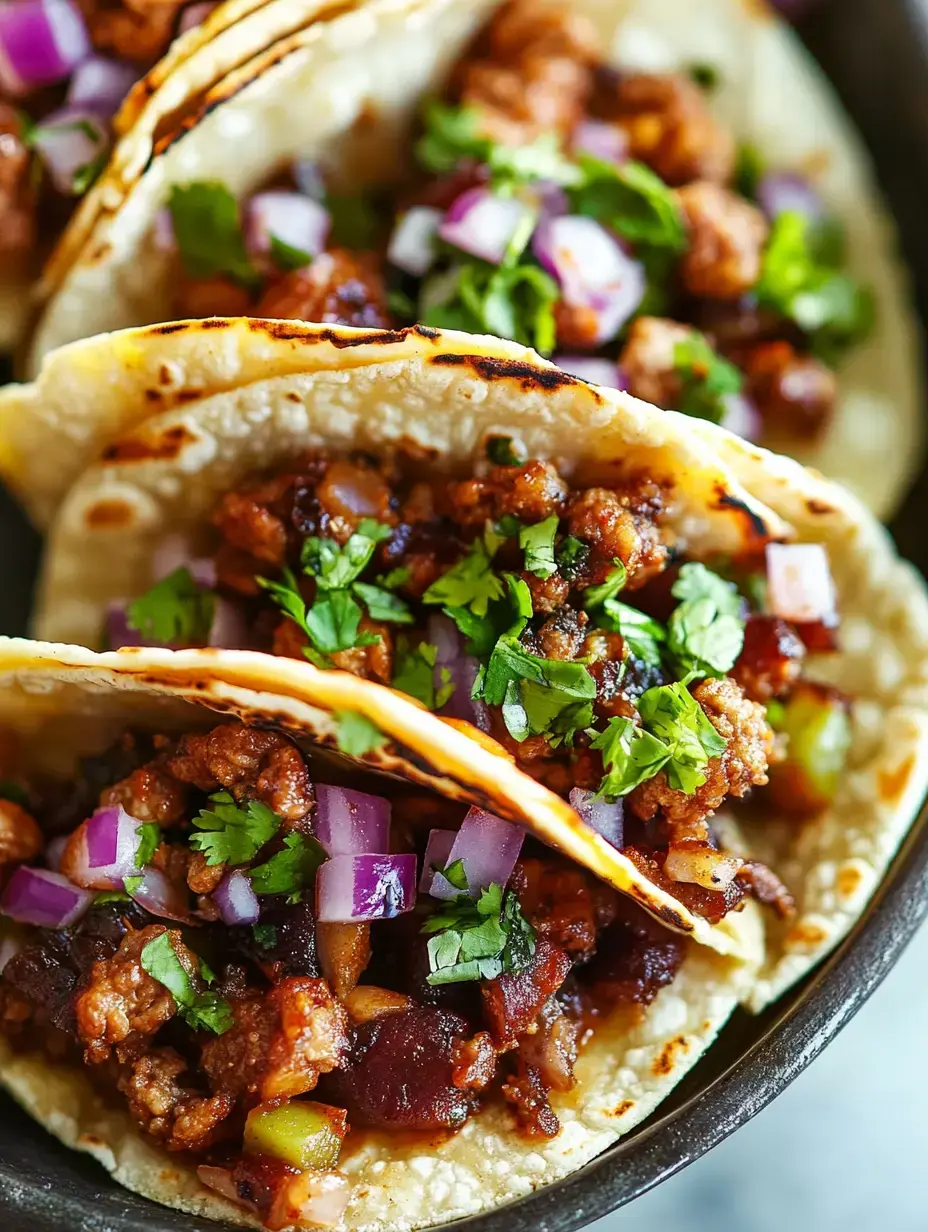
218, 296
344, 951
712, 905
562, 634
150, 793
668, 124
42, 978
726, 241
576, 326
474, 1062
350, 491
203, 878
373, 662
283, 1197
173, 1115
564, 903
247, 760
771, 660
743, 764
136, 30
20, 837
289, 641
123, 1006
345, 288
280, 1044
550, 1047
764, 885
517, 104
796, 394
648, 362
237, 570
548, 594
17, 195
512, 1001
615, 530
545, 28
16, 1011
636, 958
376, 1085
526, 1091
293, 951
248, 525
531, 492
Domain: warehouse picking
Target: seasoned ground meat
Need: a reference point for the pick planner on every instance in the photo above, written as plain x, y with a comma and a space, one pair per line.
203, 878
796, 394
20, 837
343, 287
550, 1047
169, 1112
636, 957
474, 1062
770, 662
562, 634
547, 593
668, 125
726, 241
564, 903
247, 524
150, 793
742, 766
122, 1006
373, 662
39, 983
648, 360
512, 1001
17, 195
351, 490
280, 1044
543, 28
531, 492
196, 298
525, 1090
135, 30
577, 326
764, 885
615, 530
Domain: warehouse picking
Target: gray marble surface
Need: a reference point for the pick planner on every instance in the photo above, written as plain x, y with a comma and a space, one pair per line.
844, 1149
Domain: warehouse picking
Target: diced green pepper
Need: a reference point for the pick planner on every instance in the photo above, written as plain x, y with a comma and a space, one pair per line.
817, 724
304, 1134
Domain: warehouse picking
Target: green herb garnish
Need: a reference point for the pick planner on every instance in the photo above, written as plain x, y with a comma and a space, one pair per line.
204, 1011
173, 612
231, 833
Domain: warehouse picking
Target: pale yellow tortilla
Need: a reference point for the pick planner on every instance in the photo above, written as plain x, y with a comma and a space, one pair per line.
65, 702
346, 92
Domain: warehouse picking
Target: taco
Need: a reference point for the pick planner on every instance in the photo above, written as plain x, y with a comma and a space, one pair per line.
655, 620
671, 227
240, 969
83, 89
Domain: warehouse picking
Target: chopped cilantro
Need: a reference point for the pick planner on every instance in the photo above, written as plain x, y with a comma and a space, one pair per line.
673, 715
150, 837
354, 220
451, 134
537, 542
455, 874
356, 734
513, 300
87, 175
471, 583
265, 935
331, 624
540, 159
208, 230
705, 377
749, 170
382, 605
706, 76
508, 526
395, 578
204, 1011
478, 940
705, 633
231, 833
643, 635
415, 674
631, 200
571, 555
500, 451
334, 567
596, 596
286, 257
112, 896
291, 870
174, 612
631, 756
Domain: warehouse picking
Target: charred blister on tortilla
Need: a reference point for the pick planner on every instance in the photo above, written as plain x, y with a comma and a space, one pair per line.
567, 622
602, 216
214, 933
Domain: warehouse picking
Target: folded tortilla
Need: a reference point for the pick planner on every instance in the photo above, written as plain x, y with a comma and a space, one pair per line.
65, 702
345, 92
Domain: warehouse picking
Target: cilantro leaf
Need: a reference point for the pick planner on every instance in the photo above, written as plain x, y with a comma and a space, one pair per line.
631, 200
707, 76
415, 673
208, 230
395, 578
673, 715
382, 605
540, 159
451, 134
643, 635
513, 300
500, 451
291, 870
173, 612
631, 756
333, 624
471, 583
356, 734
749, 170
204, 1011
596, 596
537, 542
705, 377
455, 874
231, 833
286, 257
334, 567
354, 220
111, 896
265, 935
705, 633
474, 940
571, 555
150, 835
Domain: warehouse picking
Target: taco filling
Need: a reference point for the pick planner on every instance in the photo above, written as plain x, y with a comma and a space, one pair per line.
604, 217
646, 688
250, 958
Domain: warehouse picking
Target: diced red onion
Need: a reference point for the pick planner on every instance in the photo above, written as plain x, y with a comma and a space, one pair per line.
100, 85
9, 948
437, 851
800, 587
702, 866
194, 15
229, 628
779, 192
41, 42
54, 851
365, 887
593, 369
351, 822
291, 217
108, 846
236, 899
489, 848
48, 900
742, 417
547, 196
66, 148
308, 177
412, 244
604, 141
483, 224
605, 818
163, 235
162, 897
443, 634
593, 270
117, 629
173, 552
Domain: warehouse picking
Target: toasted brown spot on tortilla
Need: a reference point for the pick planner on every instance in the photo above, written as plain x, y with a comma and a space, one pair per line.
848, 880
894, 782
92, 1140
625, 1106
818, 506
664, 1064
169, 444
100, 253
165, 375
173, 327
727, 501
109, 513
292, 397
215, 323
188, 395
526, 374
667, 915
805, 933
154, 395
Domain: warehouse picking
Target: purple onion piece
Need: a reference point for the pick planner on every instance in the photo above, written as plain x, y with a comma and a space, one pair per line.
117, 628
462, 671
779, 192
195, 15
41, 42
483, 224
100, 85
308, 177
291, 218
163, 236
365, 887
236, 899
604, 141
606, 819
489, 848
412, 244
161, 897
437, 851
46, 899
66, 148
742, 417
351, 822
590, 368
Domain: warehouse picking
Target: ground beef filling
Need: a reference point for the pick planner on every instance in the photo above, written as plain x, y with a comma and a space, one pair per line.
88, 993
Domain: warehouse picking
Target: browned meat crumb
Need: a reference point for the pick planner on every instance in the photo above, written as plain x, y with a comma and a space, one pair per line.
474, 1062
245, 521
726, 240
615, 530
764, 885
136, 30
526, 1092
203, 878
796, 394
150, 793
531, 492
564, 903
173, 1115
17, 195
218, 296
20, 837
771, 661
512, 1001
343, 287
647, 360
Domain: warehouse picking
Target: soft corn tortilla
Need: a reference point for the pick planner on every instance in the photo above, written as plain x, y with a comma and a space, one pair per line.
65, 702
346, 91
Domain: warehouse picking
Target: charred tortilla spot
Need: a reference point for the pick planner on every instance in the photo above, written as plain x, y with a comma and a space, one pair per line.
664, 1064
100, 253
173, 327
625, 1106
756, 522
169, 445
292, 397
108, 514
188, 395
165, 375
806, 934
215, 323
528, 376
894, 782
818, 507
153, 395
848, 880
